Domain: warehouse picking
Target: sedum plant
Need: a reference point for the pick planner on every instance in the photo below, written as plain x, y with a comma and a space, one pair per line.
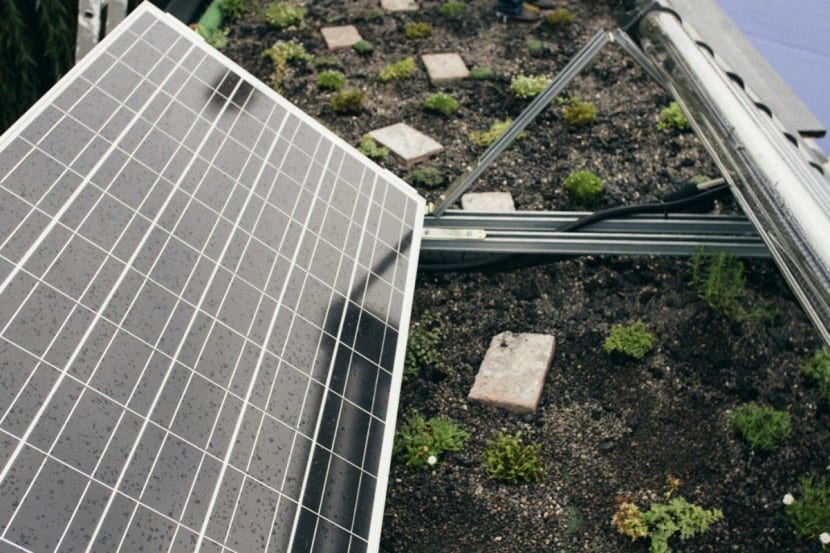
232, 9
818, 368
421, 442
559, 17
528, 86
721, 284
284, 14
441, 103
427, 177
483, 139
579, 113
809, 513
763, 427
425, 336
482, 74
584, 187
399, 70
451, 9
281, 54
415, 31
331, 80
535, 47
634, 341
369, 148
363, 47
507, 458
348, 101
672, 117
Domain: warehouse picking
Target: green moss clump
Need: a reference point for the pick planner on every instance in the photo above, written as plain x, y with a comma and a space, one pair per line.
672, 117
426, 177
283, 14
441, 103
483, 139
398, 71
363, 47
584, 187
528, 86
331, 80
818, 368
415, 31
451, 9
579, 113
482, 74
232, 9
348, 101
634, 341
535, 47
559, 17
323, 62
369, 148
507, 458
281, 54
762, 427
421, 442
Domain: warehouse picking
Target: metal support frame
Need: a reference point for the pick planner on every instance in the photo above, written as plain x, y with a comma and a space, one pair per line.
96, 18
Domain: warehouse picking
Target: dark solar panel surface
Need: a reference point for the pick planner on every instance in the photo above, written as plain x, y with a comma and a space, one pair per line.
203, 295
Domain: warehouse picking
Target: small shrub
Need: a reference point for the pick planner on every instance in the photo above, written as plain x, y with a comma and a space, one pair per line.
583, 187
481, 74
559, 17
672, 117
483, 139
426, 177
363, 47
762, 427
535, 48
422, 346
528, 86
331, 80
369, 148
282, 15
721, 284
415, 31
399, 70
810, 514
232, 9
441, 103
507, 458
348, 101
818, 368
451, 9
579, 113
634, 341
420, 442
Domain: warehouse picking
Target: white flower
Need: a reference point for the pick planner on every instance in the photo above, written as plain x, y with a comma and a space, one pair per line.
824, 538
788, 499
431, 460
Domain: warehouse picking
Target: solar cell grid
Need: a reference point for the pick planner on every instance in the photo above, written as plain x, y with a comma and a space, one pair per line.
202, 297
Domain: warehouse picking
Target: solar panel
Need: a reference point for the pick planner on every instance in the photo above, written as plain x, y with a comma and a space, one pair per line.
203, 301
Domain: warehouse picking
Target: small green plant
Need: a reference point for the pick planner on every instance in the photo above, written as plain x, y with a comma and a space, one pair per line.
348, 101
420, 442
426, 177
217, 38
810, 513
721, 284
762, 427
402, 69
363, 47
528, 86
481, 74
324, 62
451, 9
507, 458
369, 148
483, 139
441, 103
583, 186
283, 14
579, 113
232, 9
331, 80
415, 31
559, 17
422, 351
535, 47
818, 368
672, 117
283, 53
634, 341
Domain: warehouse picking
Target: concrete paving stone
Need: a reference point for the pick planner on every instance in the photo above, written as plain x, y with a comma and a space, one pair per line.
399, 5
513, 371
343, 36
488, 201
443, 68
410, 145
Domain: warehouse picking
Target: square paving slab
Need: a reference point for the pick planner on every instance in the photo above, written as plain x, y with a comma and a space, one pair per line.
488, 201
410, 145
344, 36
513, 371
443, 68
398, 5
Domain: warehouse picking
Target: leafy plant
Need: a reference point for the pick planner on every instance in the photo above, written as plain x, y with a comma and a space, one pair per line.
678, 516
672, 117
483, 139
818, 368
628, 520
415, 31
283, 14
481, 73
441, 103
579, 113
363, 47
559, 17
422, 346
528, 86
451, 9
763, 427
427, 177
348, 101
331, 80
369, 148
420, 442
721, 284
810, 515
535, 47
402, 69
281, 54
232, 9
634, 341
583, 186
507, 458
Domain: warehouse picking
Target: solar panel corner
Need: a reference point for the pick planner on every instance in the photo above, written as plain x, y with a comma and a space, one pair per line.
205, 300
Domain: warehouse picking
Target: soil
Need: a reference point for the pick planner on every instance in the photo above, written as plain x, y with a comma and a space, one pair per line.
607, 429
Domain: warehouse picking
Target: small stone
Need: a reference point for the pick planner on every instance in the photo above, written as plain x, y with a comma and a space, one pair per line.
398, 5
487, 201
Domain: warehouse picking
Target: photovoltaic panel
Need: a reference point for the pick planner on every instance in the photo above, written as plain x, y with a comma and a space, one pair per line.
204, 297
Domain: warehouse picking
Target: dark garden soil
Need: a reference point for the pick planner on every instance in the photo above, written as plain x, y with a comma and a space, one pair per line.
606, 429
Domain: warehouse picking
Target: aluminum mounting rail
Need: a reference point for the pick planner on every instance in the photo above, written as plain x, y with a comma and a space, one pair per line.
524, 232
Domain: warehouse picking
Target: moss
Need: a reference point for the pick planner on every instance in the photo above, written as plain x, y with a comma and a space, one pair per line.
579, 113
441, 103
584, 187
283, 14
419, 30
672, 117
348, 101
482, 74
426, 177
634, 341
363, 47
369, 148
559, 17
281, 54
331, 80
528, 86
399, 70
484, 139
534, 47
451, 9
